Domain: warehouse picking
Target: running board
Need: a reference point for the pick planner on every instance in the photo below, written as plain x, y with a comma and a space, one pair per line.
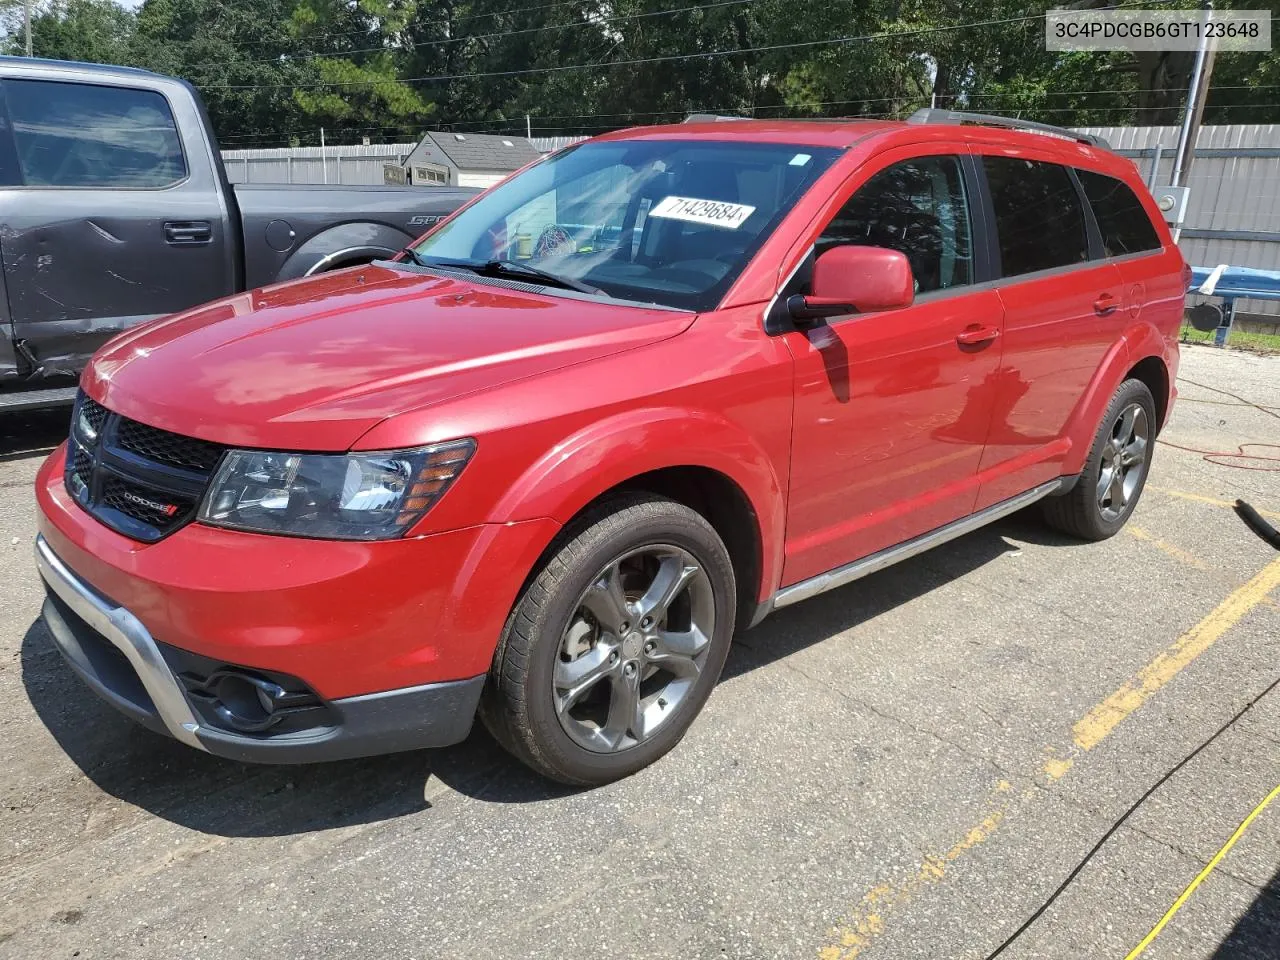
910, 548
11, 401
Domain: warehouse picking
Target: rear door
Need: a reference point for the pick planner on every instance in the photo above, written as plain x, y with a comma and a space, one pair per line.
1153, 285
114, 220
1063, 310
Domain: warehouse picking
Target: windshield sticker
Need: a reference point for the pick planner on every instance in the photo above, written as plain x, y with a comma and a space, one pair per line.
800, 159
714, 213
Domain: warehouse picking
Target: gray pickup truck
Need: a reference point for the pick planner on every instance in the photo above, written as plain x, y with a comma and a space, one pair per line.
115, 208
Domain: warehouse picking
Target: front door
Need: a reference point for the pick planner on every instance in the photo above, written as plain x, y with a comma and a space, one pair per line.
108, 224
892, 408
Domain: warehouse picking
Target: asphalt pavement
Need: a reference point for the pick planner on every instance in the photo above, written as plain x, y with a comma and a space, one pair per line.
908, 767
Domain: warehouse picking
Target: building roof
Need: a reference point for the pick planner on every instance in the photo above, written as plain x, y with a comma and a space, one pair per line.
483, 151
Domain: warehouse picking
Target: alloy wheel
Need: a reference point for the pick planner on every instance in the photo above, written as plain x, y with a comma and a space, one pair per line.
634, 648
1123, 459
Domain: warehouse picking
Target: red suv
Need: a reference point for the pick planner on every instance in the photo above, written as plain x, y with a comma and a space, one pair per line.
542, 465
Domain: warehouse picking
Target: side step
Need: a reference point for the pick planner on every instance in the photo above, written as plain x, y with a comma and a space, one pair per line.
891, 555
14, 400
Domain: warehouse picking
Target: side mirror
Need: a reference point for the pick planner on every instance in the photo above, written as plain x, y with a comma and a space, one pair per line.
853, 279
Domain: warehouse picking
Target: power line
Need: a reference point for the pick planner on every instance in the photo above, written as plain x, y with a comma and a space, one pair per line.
303, 58
518, 129
708, 55
755, 109
450, 21
883, 35
672, 113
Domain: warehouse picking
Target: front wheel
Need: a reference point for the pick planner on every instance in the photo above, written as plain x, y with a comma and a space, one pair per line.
614, 647
1116, 471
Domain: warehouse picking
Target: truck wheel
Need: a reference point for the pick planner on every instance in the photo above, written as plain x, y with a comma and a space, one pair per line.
615, 644
1111, 483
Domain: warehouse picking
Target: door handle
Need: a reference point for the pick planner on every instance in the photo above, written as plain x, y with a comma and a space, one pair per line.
975, 335
186, 232
1105, 305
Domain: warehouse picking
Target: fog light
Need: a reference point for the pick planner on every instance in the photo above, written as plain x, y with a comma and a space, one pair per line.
245, 702
242, 704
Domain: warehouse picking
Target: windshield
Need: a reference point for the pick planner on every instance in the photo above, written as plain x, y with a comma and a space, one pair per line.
655, 221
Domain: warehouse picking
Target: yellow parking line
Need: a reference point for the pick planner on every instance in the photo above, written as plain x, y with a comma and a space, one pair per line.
854, 936
1177, 553
1201, 498
868, 922
1103, 718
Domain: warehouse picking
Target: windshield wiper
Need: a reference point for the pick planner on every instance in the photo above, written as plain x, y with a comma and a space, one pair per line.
415, 257
497, 268
515, 268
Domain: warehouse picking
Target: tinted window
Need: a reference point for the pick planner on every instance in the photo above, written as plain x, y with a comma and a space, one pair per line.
80, 135
1039, 219
1122, 219
917, 207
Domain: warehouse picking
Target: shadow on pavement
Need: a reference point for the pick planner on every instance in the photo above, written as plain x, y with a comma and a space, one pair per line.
233, 799
1256, 935
226, 798
814, 620
32, 433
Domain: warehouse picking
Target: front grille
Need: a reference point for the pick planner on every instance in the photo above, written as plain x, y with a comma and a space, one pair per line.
171, 448
139, 480
95, 413
82, 465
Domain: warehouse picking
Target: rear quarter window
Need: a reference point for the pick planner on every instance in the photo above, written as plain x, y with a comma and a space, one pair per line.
1122, 219
90, 135
1039, 218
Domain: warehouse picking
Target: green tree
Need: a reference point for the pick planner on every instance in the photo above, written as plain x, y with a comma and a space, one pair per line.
357, 53
238, 55
95, 31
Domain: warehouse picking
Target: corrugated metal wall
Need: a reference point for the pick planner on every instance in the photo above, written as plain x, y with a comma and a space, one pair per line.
1233, 214
547, 144
351, 164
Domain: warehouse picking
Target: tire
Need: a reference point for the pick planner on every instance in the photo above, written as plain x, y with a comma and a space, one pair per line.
1099, 504
574, 622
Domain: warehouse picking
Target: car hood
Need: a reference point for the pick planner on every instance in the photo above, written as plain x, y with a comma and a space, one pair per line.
313, 364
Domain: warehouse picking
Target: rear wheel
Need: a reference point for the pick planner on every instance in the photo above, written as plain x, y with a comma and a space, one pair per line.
1116, 471
614, 647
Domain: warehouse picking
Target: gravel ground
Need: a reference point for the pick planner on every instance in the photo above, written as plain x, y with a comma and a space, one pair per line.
904, 768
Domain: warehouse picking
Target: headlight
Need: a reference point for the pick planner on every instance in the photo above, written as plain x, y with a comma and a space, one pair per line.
358, 496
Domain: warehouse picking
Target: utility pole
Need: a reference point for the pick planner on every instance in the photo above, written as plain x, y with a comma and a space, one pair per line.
528, 130
26, 17
1197, 93
324, 164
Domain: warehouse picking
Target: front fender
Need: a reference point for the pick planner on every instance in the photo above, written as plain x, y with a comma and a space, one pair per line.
343, 244
607, 453
1139, 341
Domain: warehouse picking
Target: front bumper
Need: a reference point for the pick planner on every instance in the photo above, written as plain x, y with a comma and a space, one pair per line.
348, 618
123, 663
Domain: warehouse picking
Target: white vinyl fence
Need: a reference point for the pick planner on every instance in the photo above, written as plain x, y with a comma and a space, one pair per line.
348, 165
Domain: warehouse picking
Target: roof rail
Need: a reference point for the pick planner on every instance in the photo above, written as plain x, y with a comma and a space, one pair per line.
927, 115
710, 118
